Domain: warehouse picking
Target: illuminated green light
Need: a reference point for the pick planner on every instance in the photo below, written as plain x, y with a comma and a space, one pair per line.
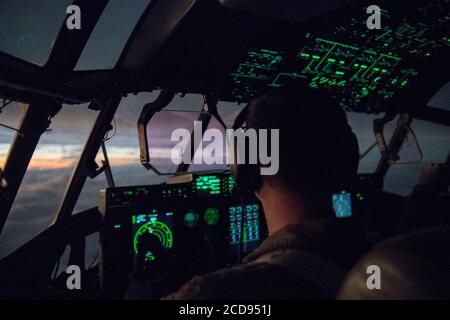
304, 55
360, 196
332, 60
149, 256
315, 57
269, 51
376, 69
342, 62
128, 193
211, 216
340, 73
384, 71
230, 183
336, 43
356, 65
323, 80
117, 226
276, 60
245, 235
363, 66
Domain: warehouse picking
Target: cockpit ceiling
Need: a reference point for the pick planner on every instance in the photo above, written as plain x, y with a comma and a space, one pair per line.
226, 49
291, 10
365, 70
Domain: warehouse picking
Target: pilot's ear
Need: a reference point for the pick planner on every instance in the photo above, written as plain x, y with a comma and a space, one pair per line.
266, 183
258, 193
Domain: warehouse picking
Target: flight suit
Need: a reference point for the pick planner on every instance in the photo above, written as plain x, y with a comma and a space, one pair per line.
340, 241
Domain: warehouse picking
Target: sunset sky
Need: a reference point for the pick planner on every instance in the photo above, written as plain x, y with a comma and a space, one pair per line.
62, 145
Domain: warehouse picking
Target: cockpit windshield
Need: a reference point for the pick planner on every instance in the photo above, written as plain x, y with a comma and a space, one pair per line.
28, 28
111, 34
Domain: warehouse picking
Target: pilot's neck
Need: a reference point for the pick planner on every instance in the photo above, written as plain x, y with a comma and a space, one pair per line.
282, 207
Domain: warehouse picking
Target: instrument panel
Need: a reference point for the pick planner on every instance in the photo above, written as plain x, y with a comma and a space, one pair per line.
177, 230
153, 230
363, 69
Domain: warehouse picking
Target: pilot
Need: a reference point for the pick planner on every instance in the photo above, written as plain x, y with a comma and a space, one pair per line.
309, 249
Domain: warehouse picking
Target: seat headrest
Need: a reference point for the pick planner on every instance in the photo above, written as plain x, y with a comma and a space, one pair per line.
412, 266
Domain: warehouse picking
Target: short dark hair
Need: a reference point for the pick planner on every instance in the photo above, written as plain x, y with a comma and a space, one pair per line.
318, 151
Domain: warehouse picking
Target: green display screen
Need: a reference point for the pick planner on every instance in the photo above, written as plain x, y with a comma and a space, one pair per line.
155, 224
213, 185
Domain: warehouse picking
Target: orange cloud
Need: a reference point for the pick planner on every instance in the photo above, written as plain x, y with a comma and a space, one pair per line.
55, 162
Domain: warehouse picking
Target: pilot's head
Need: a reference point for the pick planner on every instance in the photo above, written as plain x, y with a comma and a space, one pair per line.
318, 152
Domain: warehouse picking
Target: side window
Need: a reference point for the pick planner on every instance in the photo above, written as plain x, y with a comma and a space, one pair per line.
45, 181
10, 117
434, 140
362, 126
441, 99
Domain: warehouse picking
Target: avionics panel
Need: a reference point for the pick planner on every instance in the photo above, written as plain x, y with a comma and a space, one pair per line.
363, 69
153, 230
201, 185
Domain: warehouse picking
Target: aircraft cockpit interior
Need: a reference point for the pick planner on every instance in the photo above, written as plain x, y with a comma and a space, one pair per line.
98, 96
